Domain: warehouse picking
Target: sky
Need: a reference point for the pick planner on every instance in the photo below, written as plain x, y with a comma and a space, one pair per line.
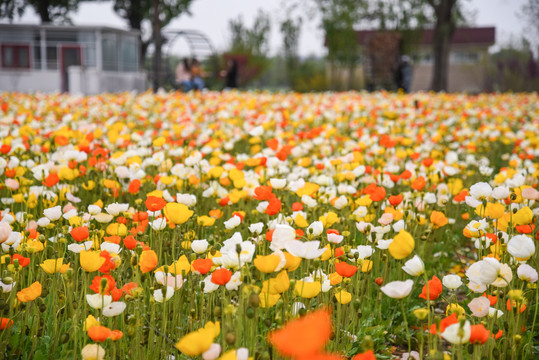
212, 17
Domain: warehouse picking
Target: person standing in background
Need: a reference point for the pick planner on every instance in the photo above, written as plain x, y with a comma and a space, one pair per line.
231, 74
403, 75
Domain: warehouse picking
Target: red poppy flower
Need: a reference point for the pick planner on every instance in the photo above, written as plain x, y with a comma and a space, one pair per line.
345, 269
395, 200
435, 289
130, 242
154, 203
116, 294
269, 235
274, 206
221, 276
479, 334
51, 180
23, 261
134, 186
96, 284
202, 266
80, 233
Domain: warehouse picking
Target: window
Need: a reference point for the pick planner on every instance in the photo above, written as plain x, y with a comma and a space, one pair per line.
464, 57
129, 54
110, 52
15, 56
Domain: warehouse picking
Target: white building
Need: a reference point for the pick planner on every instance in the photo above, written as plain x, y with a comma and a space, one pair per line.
78, 59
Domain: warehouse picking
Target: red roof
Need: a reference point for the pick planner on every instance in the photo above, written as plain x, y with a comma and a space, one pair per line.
462, 35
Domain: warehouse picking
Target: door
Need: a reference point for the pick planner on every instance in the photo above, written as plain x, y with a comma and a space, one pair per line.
70, 55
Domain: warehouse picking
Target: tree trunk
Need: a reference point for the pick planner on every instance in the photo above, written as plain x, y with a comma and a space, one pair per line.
157, 44
443, 30
42, 8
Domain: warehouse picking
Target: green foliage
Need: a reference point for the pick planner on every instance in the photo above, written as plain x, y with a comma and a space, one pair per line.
55, 11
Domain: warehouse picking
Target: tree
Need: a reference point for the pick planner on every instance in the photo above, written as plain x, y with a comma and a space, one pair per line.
338, 20
159, 13
250, 46
49, 11
290, 29
530, 14
445, 12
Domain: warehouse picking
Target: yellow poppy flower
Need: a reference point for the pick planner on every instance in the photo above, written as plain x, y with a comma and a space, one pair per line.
52, 266
402, 245
177, 213
307, 290
198, 342
267, 264
90, 261
343, 297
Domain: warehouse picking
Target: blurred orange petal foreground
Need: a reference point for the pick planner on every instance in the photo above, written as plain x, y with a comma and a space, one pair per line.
305, 337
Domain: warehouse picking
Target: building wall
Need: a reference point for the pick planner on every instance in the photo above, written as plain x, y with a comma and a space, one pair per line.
90, 81
30, 81
465, 74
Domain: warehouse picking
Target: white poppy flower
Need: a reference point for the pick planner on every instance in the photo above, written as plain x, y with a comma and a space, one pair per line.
479, 306
158, 294
527, 273
199, 246
452, 281
53, 213
414, 266
457, 334
114, 309
98, 301
398, 289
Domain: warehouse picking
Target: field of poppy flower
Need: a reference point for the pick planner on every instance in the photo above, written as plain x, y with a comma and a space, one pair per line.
244, 225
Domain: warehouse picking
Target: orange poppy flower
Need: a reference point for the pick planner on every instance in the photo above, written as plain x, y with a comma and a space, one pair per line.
438, 219
202, 266
147, 261
395, 200
479, 334
80, 233
419, 183
129, 287
115, 239
5, 323
513, 304
263, 193
99, 333
367, 355
221, 276
134, 186
345, 269
30, 293
435, 289
305, 337
154, 203
51, 180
